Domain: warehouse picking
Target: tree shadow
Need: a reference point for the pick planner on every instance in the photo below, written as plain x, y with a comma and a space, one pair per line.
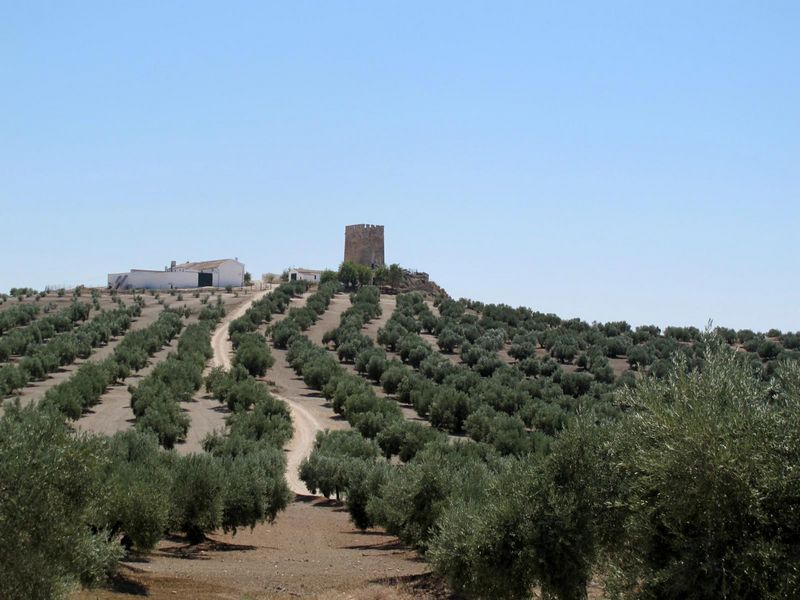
389, 545
135, 557
201, 551
427, 585
305, 498
124, 584
328, 503
368, 532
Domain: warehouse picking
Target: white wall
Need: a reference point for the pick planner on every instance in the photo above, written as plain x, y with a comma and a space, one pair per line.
230, 272
303, 276
155, 280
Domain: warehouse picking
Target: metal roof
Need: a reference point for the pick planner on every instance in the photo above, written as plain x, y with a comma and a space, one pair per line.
203, 265
308, 271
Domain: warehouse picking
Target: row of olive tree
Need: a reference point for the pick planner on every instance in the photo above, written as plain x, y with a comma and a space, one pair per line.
689, 495
85, 387
64, 348
18, 315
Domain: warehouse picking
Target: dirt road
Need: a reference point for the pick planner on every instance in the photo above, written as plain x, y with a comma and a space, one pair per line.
306, 424
219, 342
306, 427
206, 413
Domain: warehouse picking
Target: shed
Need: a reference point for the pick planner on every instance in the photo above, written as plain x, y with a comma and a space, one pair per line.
304, 275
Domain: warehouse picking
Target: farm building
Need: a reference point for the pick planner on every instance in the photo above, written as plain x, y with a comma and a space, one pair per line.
304, 275
211, 273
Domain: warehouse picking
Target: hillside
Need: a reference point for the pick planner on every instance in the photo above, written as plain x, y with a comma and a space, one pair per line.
437, 412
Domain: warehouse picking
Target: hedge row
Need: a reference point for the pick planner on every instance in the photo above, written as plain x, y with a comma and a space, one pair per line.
22, 340
17, 315
347, 337
91, 380
614, 501
300, 319
261, 311
489, 400
155, 401
65, 348
350, 395
124, 488
588, 346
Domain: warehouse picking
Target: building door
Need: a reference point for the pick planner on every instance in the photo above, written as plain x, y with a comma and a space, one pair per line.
205, 279
293, 277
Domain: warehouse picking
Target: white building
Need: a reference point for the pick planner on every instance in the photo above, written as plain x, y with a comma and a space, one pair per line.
212, 273
304, 275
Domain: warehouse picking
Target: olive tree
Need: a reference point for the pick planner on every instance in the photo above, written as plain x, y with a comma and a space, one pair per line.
710, 465
50, 499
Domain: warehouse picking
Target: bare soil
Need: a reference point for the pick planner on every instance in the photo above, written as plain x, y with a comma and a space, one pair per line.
311, 551
114, 413
36, 389
205, 412
310, 411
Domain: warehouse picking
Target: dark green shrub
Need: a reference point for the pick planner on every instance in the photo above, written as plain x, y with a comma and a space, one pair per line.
449, 409
284, 332
197, 496
335, 454
391, 377
139, 489
768, 350
245, 393
253, 354
255, 489
691, 534
405, 439
49, 497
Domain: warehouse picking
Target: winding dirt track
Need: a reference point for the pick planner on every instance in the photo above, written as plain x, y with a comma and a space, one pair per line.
207, 415
223, 349
306, 427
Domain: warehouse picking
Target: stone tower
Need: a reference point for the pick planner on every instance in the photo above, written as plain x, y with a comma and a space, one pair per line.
363, 244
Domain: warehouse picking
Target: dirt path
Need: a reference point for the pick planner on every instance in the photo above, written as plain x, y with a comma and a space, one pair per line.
205, 412
220, 343
306, 427
309, 411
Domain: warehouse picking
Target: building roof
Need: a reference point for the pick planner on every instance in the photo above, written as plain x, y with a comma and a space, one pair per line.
307, 271
201, 266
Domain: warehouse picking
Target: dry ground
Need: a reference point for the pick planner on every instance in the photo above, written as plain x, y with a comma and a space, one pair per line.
311, 551
114, 413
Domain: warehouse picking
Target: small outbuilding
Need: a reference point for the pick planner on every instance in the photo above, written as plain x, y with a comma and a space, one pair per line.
304, 275
211, 273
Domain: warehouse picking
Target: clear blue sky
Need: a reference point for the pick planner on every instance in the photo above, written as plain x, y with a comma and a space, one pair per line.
607, 160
